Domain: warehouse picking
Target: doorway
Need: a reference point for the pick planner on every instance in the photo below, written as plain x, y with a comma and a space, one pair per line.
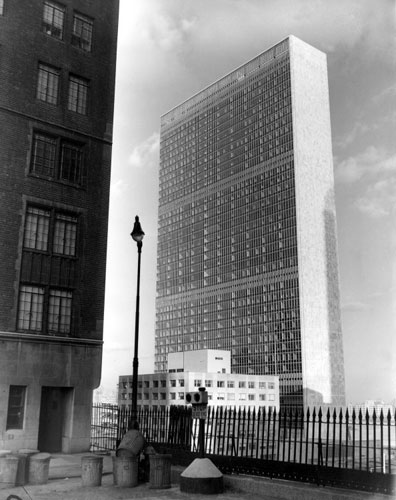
55, 418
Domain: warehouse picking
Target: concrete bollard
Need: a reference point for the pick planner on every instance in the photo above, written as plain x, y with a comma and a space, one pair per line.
91, 470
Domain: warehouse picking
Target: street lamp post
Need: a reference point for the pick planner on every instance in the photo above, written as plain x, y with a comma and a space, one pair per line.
137, 235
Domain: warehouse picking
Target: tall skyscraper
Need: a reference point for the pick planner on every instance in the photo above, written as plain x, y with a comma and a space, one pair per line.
57, 73
247, 248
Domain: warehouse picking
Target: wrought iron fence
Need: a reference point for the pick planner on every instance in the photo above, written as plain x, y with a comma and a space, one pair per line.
325, 441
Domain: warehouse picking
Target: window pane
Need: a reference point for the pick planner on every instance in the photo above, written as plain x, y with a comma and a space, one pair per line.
65, 235
47, 84
43, 156
53, 19
82, 32
30, 311
78, 91
1, 7
59, 311
71, 163
36, 229
16, 407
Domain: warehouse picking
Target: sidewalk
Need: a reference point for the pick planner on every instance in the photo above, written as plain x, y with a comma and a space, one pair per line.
65, 484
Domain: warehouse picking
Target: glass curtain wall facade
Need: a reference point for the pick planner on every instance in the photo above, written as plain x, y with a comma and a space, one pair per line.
227, 268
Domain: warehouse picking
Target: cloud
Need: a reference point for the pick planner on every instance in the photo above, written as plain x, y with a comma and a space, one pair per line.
354, 306
374, 173
385, 94
379, 199
372, 162
146, 153
118, 188
170, 34
358, 129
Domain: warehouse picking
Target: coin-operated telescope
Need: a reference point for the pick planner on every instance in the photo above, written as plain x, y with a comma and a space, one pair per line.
197, 398
199, 402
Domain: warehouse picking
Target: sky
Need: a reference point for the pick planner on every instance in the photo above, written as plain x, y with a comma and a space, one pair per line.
168, 50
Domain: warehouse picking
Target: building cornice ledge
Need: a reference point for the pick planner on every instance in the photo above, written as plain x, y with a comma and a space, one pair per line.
49, 339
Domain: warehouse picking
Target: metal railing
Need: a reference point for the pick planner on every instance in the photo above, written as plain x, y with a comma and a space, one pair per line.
264, 442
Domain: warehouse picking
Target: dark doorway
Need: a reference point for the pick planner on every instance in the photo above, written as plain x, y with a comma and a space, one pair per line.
55, 412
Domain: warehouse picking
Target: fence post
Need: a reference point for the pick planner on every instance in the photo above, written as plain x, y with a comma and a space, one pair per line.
353, 438
320, 454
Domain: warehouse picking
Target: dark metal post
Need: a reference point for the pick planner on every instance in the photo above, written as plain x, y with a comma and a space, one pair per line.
201, 438
136, 347
137, 235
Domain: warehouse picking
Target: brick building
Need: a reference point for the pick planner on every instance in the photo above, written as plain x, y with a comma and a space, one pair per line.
57, 75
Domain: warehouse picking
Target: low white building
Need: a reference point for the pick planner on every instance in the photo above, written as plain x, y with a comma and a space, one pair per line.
207, 368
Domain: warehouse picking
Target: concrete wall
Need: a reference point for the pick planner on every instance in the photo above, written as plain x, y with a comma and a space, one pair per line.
38, 363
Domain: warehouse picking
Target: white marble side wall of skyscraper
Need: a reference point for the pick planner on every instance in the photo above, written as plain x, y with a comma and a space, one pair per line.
322, 350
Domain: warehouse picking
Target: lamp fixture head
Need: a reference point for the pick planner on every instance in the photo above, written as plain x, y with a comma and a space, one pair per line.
137, 232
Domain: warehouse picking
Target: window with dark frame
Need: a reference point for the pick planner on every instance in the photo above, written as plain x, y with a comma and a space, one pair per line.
59, 311
48, 84
53, 19
31, 308
16, 407
1, 7
45, 307
82, 32
71, 163
57, 158
65, 234
78, 95
36, 228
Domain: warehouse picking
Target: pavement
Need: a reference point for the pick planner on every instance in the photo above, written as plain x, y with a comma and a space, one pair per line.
64, 482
